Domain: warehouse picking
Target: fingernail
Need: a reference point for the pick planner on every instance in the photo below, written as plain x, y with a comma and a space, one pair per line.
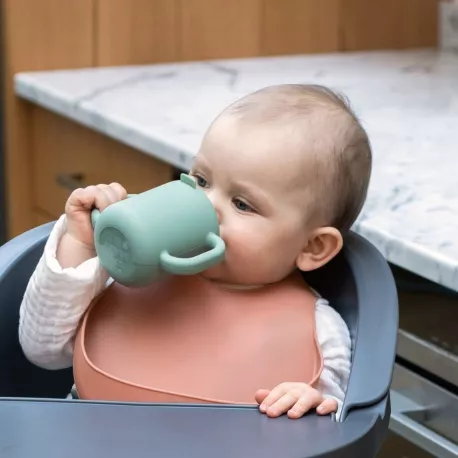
262, 408
321, 409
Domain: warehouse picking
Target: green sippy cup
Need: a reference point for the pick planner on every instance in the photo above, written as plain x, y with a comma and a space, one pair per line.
171, 229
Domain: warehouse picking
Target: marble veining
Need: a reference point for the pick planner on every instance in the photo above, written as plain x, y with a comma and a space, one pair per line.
407, 100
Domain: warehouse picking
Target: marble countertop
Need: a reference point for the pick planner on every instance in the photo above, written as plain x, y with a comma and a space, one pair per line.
407, 100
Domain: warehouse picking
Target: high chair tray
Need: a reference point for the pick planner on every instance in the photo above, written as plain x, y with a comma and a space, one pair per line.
57, 429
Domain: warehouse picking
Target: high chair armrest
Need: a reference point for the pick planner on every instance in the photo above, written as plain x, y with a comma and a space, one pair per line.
359, 284
376, 338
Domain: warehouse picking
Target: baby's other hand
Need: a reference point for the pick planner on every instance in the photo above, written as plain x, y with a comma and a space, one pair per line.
296, 399
80, 204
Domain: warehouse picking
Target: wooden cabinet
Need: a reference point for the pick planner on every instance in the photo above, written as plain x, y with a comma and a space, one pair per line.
36, 35
67, 156
40, 217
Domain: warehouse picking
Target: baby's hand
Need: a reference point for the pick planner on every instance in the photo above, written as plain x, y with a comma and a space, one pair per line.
294, 398
80, 204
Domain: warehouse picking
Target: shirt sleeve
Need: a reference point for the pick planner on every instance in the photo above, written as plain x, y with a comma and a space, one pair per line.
335, 343
54, 302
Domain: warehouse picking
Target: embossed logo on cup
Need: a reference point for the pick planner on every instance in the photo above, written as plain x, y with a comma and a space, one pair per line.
116, 248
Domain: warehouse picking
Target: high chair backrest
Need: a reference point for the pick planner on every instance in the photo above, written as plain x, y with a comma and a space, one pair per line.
19, 377
359, 284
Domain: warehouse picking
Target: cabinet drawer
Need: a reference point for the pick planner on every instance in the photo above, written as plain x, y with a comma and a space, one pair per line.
67, 156
424, 414
40, 217
427, 334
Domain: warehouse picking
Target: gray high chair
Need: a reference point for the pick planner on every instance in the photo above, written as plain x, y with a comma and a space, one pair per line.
36, 419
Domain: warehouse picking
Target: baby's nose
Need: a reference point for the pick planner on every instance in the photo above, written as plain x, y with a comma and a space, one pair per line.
218, 214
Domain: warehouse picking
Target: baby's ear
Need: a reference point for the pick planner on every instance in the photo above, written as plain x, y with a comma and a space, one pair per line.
322, 246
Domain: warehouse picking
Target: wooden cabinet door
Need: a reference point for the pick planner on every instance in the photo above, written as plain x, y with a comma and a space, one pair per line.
39, 217
68, 156
37, 35
213, 29
301, 26
136, 32
389, 24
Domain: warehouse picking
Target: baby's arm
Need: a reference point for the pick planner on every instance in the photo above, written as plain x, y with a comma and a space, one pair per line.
67, 278
334, 339
54, 302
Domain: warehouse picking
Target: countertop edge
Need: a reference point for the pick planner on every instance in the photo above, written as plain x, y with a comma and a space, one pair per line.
158, 148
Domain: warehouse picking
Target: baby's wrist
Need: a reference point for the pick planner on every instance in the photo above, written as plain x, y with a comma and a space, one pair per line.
71, 252
78, 242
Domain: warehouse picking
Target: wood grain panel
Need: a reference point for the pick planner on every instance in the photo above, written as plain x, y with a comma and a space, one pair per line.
136, 31
301, 26
67, 152
420, 23
37, 35
220, 28
391, 24
40, 217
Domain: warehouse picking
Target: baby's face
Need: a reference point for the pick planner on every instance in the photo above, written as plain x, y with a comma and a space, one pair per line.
252, 175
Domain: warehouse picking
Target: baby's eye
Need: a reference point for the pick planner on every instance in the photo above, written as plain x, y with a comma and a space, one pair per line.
201, 182
242, 206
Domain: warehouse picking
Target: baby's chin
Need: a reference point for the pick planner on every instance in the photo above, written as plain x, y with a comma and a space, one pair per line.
222, 274
216, 273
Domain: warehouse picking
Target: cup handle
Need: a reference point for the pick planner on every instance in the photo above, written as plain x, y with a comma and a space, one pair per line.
96, 213
198, 263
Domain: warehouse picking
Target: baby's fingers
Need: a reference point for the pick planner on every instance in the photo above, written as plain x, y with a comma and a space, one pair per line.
261, 395
273, 396
85, 199
307, 401
282, 406
327, 407
119, 191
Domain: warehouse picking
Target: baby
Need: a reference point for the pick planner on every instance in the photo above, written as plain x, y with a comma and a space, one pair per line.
287, 169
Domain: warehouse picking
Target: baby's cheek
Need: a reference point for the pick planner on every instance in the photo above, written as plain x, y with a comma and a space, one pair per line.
245, 237
247, 246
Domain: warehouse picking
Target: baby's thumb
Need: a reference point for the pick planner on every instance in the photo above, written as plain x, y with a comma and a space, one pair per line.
261, 395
